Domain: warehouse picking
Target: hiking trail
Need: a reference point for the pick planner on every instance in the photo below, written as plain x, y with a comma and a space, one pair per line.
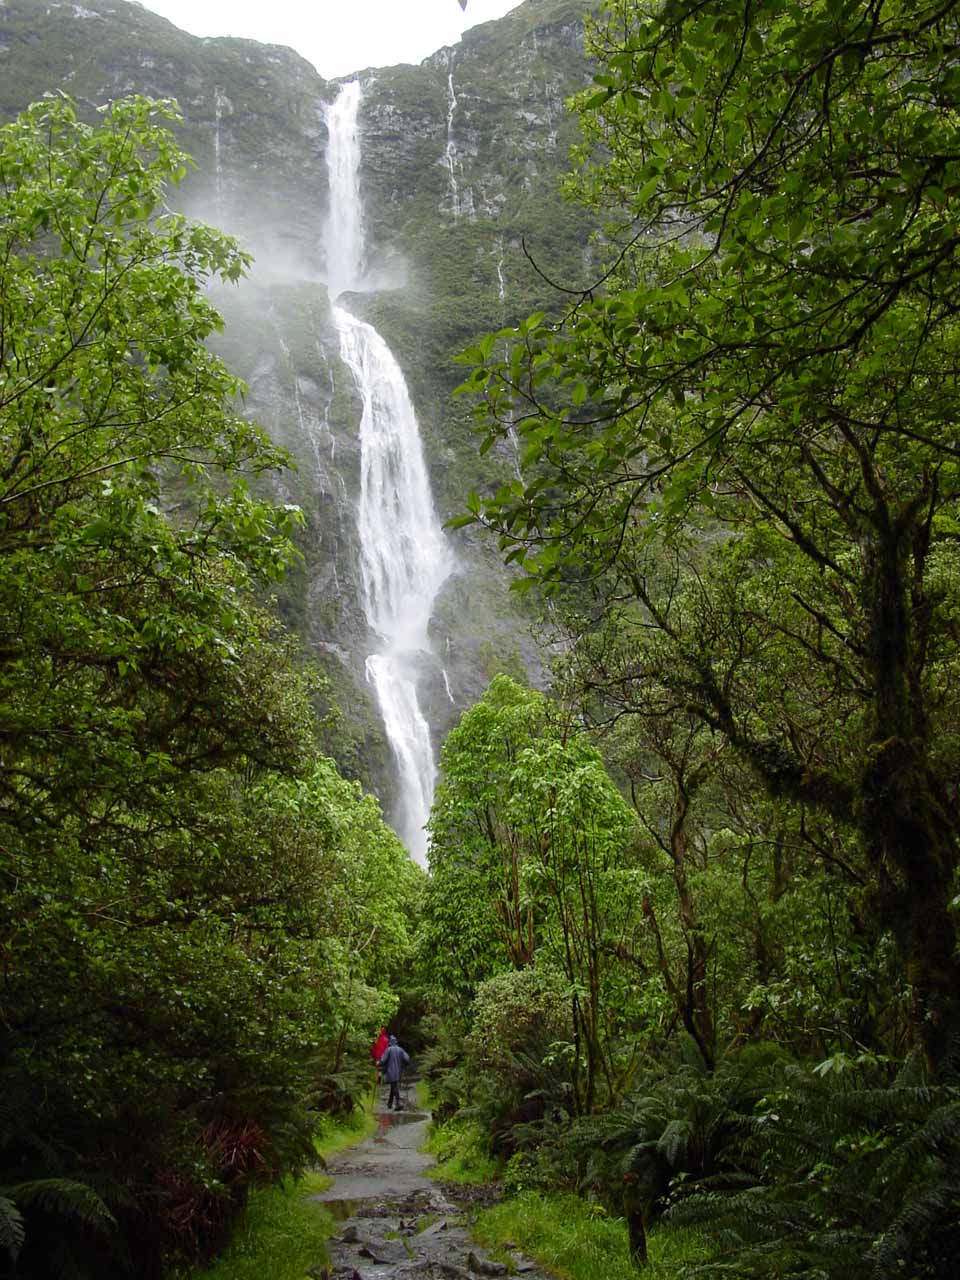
398, 1224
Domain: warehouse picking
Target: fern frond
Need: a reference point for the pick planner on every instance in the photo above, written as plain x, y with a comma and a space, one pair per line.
11, 1227
62, 1198
674, 1140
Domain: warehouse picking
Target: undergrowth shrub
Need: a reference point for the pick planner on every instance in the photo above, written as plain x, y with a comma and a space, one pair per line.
515, 1064
439, 1063
681, 1125
856, 1177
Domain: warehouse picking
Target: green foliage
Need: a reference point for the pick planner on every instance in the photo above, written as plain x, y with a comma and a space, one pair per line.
679, 1126
777, 379
462, 1150
578, 1242
11, 1228
474, 921
187, 890
281, 1231
858, 1177
517, 1055
530, 851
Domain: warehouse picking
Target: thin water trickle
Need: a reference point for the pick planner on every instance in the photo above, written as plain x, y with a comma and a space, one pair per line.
217, 167
404, 556
450, 154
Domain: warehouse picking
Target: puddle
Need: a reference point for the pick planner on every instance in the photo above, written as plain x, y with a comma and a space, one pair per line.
341, 1210
390, 1119
406, 1117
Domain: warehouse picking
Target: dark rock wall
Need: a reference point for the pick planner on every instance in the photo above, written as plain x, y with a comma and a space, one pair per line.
448, 269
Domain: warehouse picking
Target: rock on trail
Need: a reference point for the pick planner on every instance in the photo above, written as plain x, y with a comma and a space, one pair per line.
398, 1224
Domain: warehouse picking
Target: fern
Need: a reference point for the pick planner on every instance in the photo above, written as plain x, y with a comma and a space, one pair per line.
11, 1227
852, 1180
62, 1198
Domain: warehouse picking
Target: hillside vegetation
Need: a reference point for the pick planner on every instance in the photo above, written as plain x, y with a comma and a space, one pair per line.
685, 957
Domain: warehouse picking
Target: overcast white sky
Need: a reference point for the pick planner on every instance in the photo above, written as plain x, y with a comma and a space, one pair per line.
337, 36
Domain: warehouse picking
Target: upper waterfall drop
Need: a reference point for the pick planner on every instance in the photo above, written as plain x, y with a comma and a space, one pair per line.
343, 234
404, 556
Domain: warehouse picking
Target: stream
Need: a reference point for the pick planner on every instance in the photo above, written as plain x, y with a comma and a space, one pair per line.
398, 1224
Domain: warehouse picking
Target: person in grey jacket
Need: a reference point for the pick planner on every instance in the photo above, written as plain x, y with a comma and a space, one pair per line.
392, 1062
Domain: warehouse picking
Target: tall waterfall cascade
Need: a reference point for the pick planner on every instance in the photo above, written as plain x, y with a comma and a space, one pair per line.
450, 154
404, 556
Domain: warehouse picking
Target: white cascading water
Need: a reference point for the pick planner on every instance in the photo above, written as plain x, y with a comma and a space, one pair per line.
404, 557
217, 167
450, 155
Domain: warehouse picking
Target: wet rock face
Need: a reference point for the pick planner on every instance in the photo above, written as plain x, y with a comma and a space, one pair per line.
450, 194
496, 134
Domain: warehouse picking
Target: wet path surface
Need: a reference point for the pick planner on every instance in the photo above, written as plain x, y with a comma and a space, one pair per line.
398, 1224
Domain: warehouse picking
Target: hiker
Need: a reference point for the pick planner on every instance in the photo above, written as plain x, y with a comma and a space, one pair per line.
377, 1049
391, 1066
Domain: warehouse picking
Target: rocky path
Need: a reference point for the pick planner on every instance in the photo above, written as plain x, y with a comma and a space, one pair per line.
398, 1224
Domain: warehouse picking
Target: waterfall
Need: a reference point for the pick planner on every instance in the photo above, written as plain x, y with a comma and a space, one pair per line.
404, 557
446, 685
217, 167
511, 429
450, 155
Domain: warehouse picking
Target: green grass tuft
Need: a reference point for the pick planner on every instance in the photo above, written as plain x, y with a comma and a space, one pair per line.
282, 1232
335, 1135
462, 1153
574, 1240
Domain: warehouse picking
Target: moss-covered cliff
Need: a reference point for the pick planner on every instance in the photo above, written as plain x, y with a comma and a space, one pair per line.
462, 157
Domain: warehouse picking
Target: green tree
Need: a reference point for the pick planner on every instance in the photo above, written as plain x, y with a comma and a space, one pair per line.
773, 358
476, 919
374, 904
531, 858
176, 865
757, 917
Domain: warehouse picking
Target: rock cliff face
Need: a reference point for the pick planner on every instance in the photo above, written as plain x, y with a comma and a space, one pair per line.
461, 161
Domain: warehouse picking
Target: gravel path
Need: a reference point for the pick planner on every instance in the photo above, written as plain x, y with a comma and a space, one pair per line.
398, 1224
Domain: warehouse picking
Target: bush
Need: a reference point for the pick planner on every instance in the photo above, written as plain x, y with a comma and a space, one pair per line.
514, 1069
856, 1177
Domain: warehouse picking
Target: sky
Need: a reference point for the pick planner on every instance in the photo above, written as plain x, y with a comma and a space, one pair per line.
337, 36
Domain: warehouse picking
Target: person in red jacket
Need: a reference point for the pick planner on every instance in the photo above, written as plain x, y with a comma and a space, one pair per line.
377, 1049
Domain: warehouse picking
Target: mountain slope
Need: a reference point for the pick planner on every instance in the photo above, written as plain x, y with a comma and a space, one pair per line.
461, 161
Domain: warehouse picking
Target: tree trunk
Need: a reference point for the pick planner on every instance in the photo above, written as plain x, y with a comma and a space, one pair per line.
907, 818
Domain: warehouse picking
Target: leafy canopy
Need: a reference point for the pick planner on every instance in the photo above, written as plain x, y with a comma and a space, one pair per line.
770, 365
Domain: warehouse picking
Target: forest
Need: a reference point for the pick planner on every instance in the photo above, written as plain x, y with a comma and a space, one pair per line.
686, 948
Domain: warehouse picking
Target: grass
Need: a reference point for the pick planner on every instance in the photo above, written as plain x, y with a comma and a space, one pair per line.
569, 1238
462, 1153
336, 1135
281, 1232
